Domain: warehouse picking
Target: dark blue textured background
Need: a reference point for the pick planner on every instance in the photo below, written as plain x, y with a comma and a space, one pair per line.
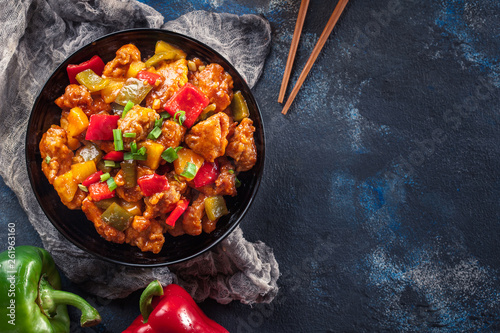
381, 188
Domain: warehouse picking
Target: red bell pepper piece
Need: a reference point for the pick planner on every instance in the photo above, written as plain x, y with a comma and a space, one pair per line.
148, 76
95, 63
151, 184
180, 208
100, 191
173, 311
188, 99
93, 178
116, 156
101, 127
207, 174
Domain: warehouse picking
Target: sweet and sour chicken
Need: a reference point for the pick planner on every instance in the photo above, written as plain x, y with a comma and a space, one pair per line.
149, 146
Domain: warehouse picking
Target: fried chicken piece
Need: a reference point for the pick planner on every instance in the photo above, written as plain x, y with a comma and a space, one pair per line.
119, 66
149, 239
175, 76
54, 150
191, 219
216, 84
242, 147
208, 138
138, 120
172, 134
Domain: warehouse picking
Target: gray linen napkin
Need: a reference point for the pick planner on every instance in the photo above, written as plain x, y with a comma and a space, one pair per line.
36, 36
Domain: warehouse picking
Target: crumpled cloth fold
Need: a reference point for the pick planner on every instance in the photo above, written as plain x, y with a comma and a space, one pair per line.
36, 36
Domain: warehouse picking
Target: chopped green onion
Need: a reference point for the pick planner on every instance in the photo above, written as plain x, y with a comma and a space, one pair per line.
118, 140
165, 115
189, 171
177, 178
135, 154
127, 108
170, 154
83, 187
133, 147
47, 159
155, 133
129, 135
231, 171
182, 116
111, 184
105, 177
111, 164
237, 182
158, 122
140, 157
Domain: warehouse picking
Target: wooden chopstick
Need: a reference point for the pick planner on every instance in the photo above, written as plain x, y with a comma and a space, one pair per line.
293, 48
317, 49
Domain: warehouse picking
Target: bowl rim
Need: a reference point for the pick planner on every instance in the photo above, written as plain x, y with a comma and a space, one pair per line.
253, 190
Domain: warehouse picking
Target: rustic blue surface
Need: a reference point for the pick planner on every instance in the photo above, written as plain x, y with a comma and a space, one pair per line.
380, 194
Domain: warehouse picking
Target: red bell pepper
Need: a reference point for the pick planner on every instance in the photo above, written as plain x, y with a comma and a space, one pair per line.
101, 127
207, 174
151, 184
116, 156
148, 76
180, 207
188, 99
95, 64
93, 178
100, 191
172, 312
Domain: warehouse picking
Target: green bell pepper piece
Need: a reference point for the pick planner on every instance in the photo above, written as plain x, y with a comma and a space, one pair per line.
105, 203
117, 217
215, 207
91, 80
239, 107
207, 112
129, 173
134, 90
30, 295
158, 57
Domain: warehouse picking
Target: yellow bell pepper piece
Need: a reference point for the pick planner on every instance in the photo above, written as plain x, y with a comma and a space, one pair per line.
82, 170
153, 153
66, 186
110, 92
73, 143
134, 68
77, 121
162, 46
186, 155
215, 207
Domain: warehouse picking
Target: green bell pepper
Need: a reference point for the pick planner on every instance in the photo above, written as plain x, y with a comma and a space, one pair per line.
134, 91
158, 57
239, 107
91, 80
129, 173
30, 295
117, 217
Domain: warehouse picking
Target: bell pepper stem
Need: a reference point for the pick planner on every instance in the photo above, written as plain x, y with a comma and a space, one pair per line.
152, 290
49, 298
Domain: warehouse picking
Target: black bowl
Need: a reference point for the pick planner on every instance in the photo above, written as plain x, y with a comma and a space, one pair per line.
73, 224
